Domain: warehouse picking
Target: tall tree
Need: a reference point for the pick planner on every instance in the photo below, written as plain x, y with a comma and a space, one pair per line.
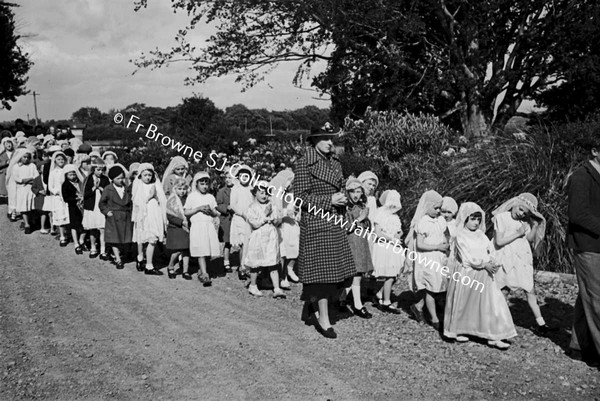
14, 62
474, 59
89, 116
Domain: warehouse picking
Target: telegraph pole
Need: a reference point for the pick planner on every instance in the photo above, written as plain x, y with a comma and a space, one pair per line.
35, 107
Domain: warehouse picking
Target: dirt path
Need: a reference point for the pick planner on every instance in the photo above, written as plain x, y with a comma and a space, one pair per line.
75, 328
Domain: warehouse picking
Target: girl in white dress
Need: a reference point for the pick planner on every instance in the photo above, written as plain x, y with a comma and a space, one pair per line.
428, 239
519, 227
241, 199
149, 215
289, 230
54, 201
201, 208
262, 251
474, 303
23, 173
386, 262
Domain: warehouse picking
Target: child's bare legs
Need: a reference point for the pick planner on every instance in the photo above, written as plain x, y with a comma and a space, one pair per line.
149, 255
226, 254
202, 264
93, 245
173, 260
140, 252
26, 219
430, 304
253, 278
290, 270
43, 218
274, 273
62, 230
387, 291
535, 308
102, 244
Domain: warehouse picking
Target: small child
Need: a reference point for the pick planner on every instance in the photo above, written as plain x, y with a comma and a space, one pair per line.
177, 168
429, 233
386, 262
178, 231
201, 207
519, 227
39, 190
370, 183
148, 216
263, 246
72, 196
469, 310
357, 215
448, 211
241, 198
93, 219
54, 201
110, 158
115, 203
23, 173
224, 208
289, 230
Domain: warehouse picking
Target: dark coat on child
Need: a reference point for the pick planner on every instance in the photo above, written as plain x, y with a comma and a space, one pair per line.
223, 201
89, 196
325, 256
119, 227
37, 187
178, 239
70, 196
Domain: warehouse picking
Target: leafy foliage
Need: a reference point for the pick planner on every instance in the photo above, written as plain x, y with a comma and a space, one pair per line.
456, 59
14, 62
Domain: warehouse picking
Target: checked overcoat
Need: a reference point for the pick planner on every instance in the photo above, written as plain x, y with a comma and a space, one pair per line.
325, 255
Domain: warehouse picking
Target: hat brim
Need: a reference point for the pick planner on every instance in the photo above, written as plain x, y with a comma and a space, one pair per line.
324, 134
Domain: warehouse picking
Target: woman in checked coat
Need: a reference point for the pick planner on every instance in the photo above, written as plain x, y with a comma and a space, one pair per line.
325, 263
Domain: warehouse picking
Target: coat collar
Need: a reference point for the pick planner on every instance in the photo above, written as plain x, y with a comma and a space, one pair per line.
593, 171
328, 171
313, 157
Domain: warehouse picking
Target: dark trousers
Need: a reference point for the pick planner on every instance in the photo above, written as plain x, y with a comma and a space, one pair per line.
586, 321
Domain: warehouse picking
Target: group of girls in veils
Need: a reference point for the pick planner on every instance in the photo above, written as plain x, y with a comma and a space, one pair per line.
94, 200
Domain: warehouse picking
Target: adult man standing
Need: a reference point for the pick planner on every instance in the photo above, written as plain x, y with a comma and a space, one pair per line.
583, 237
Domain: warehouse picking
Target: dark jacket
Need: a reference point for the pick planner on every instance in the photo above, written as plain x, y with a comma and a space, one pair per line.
89, 196
583, 233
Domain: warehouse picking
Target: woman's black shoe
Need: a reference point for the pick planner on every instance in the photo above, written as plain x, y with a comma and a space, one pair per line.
186, 276
140, 265
153, 272
171, 273
329, 333
364, 313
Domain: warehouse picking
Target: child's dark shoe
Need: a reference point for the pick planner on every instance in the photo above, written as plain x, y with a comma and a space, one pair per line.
171, 273
186, 276
78, 250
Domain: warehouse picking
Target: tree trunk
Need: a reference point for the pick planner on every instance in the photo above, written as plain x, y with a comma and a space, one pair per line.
474, 122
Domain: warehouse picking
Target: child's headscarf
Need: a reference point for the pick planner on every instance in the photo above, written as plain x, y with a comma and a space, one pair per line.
174, 204
352, 184
390, 204
428, 199
15, 160
138, 196
368, 175
529, 202
282, 180
53, 160
199, 175
176, 162
78, 160
109, 152
449, 204
467, 209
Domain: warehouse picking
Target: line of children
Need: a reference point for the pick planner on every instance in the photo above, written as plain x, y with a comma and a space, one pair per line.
131, 206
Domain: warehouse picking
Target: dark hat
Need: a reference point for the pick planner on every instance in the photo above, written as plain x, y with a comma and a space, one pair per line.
69, 152
114, 172
84, 148
326, 130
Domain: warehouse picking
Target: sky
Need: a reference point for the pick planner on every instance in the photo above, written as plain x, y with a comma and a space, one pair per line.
81, 51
